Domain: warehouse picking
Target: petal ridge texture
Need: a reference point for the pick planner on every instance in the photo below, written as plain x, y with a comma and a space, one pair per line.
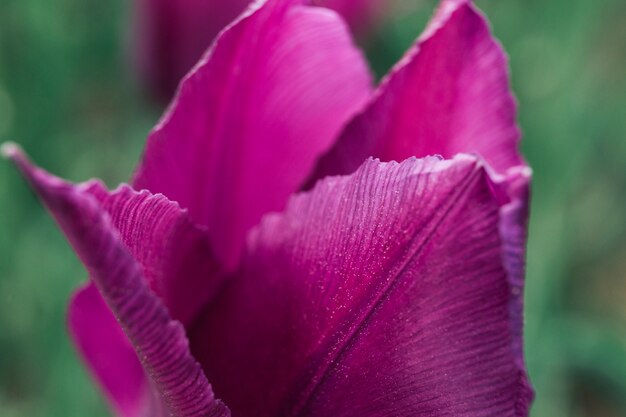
382, 293
160, 341
108, 354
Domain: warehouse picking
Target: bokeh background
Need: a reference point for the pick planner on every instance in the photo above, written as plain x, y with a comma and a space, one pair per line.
68, 95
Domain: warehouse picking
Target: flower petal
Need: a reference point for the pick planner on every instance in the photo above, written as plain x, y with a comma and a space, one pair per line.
450, 94
177, 264
251, 119
383, 293
513, 232
171, 35
175, 255
159, 340
108, 353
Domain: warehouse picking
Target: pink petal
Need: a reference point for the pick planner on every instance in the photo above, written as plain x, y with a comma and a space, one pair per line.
171, 35
178, 266
384, 293
251, 119
450, 94
175, 255
513, 232
361, 15
88, 219
108, 353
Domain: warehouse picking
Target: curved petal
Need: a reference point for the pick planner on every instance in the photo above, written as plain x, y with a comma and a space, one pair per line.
177, 264
450, 94
159, 341
108, 353
171, 35
175, 255
513, 232
251, 119
383, 293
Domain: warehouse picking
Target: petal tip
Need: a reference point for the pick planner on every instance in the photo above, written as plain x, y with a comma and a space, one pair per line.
14, 153
11, 151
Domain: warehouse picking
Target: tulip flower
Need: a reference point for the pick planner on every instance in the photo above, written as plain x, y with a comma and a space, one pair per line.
171, 35
296, 243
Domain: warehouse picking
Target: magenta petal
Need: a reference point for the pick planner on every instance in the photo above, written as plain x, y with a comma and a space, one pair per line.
108, 353
383, 293
171, 35
513, 231
177, 264
175, 255
249, 122
450, 94
159, 340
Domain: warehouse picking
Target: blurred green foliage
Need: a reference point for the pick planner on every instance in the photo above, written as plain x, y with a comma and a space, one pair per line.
67, 95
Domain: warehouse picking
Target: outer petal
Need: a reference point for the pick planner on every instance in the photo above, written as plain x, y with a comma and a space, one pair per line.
108, 353
384, 293
361, 15
159, 340
175, 255
177, 264
171, 35
513, 231
250, 121
449, 94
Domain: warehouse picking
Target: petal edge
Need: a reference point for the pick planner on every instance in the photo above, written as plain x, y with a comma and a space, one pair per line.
160, 342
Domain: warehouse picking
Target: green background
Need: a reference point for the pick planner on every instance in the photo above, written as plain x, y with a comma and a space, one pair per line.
68, 96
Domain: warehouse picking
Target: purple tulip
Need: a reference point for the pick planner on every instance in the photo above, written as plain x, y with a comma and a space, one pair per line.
384, 289
171, 35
